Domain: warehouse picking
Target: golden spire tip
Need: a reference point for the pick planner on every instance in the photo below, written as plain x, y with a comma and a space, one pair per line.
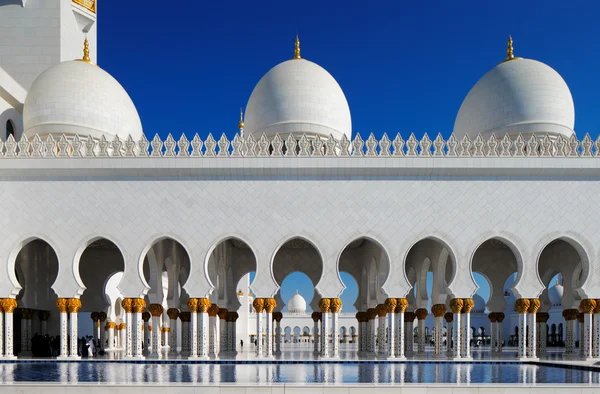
241, 122
509, 51
297, 48
86, 51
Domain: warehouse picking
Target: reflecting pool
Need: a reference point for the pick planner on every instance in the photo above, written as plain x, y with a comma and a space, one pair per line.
341, 373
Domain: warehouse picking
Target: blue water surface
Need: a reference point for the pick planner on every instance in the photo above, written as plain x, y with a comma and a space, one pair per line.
342, 373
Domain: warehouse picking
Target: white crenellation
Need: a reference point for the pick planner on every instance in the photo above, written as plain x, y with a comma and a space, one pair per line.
544, 146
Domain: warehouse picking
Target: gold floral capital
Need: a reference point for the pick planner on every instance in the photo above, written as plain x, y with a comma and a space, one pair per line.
401, 305
222, 313
381, 310
468, 305
438, 310
127, 305
213, 310
61, 304
193, 305
173, 313
102, 316
449, 317
270, 305
155, 309
277, 316
315, 316
390, 305
94, 316
259, 305
371, 313
522, 304
597, 308
185, 316
146, 316
324, 304
203, 305
109, 325
456, 305
335, 305
138, 305
421, 313
74, 305
587, 306
409, 317
499, 317
493, 317
542, 317
534, 305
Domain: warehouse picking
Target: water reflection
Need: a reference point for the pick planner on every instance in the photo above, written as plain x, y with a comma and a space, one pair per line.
334, 374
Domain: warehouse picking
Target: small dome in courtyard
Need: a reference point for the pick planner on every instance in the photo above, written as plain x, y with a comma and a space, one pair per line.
555, 293
296, 304
479, 304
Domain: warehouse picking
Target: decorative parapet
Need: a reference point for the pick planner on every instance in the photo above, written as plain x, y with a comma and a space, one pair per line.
302, 146
87, 4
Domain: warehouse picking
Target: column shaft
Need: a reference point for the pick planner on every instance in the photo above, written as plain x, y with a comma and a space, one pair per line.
596, 325
400, 336
325, 334
203, 333
335, 332
393, 334
456, 335
73, 334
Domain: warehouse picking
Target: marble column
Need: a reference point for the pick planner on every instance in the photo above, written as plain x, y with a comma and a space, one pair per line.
61, 304
270, 305
421, 316
233, 323
409, 333
335, 307
223, 345
156, 311
316, 316
123, 336
95, 320
448, 316
193, 327
499, 320
360, 330
26, 316
277, 316
110, 333
213, 337
102, 318
456, 305
185, 318
542, 334
587, 306
138, 306
324, 305
44, 315
146, 316
390, 305
400, 310
534, 306
522, 305
173, 314
578, 326
596, 325
259, 307
438, 311
8, 306
1, 329
203, 328
492, 318
73, 306
468, 305
381, 339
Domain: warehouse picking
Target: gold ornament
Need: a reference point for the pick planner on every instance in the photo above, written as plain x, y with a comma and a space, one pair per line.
203, 305
173, 313
315, 316
324, 304
193, 305
335, 305
468, 305
270, 305
542, 317
456, 305
522, 304
259, 305
74, 305
438, 310
146, 316
61, 304
297, 49
499, 317
409, 317
102, 316
587, 305
597, 308
401, 305
381, 310
390, 305
138, 305
185, 316
157, 309
240, 127
222, 313
493, 317
510, 51
94, 316
213, 310
534, 305
449, 316
371, 313
127, 305
421, 313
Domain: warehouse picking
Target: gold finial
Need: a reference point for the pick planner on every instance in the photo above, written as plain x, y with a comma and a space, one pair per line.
510, 51
297, 48
86, 52
241, 122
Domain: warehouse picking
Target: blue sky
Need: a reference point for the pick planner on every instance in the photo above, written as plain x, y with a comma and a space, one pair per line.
404, 66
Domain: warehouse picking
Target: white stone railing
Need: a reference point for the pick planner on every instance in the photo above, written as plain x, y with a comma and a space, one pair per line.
534, 146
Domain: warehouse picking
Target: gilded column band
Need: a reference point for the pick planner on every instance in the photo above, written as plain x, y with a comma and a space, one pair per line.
324, 304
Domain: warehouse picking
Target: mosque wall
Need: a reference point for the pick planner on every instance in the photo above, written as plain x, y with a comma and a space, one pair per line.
200, 205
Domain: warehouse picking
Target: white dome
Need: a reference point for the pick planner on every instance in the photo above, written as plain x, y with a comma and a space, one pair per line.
77, 97
479, 304
517, 96
296, 304
297, 96
555, 294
